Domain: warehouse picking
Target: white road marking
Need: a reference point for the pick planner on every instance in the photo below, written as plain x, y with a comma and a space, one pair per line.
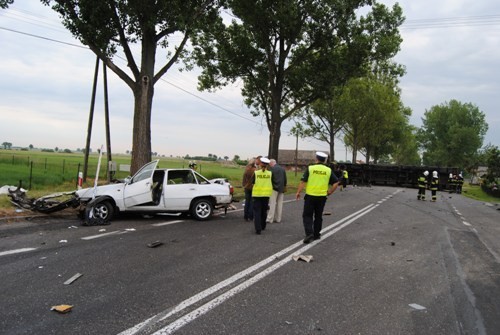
16, 251
220, 299
165, 223
466, 223
102, 235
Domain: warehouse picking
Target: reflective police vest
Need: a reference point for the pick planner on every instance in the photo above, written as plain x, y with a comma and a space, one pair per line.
263, 186
318, 180
345, 174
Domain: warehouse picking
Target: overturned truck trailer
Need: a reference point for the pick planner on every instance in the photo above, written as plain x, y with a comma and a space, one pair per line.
396, 175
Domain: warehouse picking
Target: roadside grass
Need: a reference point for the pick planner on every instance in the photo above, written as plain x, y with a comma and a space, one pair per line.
475, 192
43, 173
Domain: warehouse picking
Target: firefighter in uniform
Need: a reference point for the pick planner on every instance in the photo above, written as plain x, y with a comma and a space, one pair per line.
319, 182
460, 183
422, 185
434, 185
345, 177
261, 192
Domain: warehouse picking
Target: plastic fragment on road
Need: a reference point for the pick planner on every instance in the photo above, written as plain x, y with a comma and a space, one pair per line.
130, 229
417, 307
155, 244
102, 230
63, 309
63, 241
327, 213
72, 279
305, 258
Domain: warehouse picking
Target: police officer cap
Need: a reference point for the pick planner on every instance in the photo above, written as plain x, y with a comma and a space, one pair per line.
265, 160
321, 155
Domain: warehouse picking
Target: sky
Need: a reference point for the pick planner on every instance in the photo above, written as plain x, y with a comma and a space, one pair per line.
450, 50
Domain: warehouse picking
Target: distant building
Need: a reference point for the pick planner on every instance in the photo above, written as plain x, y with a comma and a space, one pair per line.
479, 173
300, 158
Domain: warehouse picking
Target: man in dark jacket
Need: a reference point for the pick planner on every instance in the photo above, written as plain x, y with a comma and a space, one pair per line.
279, 187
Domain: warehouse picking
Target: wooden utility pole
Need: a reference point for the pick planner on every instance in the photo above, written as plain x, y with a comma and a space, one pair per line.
91, 118
106, 118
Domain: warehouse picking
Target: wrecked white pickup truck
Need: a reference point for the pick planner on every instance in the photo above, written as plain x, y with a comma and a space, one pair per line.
149, 191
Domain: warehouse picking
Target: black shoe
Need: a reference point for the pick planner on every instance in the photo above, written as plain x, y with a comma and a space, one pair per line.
308, 239
257, 232
317, 237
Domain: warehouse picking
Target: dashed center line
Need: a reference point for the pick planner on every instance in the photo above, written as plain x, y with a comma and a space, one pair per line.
16, 251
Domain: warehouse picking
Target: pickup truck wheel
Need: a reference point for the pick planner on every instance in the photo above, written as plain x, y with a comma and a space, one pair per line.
100, 213
202, 209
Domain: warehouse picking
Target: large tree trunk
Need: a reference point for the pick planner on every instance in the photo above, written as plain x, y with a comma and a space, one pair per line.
143, 101
332, 144
274, 140
141, 138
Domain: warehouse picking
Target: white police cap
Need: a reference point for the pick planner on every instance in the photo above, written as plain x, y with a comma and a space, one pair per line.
321, 154
265, 160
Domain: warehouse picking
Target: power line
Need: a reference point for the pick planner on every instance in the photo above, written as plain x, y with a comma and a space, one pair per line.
452, 22
44, 38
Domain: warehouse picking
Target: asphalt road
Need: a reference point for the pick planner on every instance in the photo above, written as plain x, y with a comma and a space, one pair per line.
386, 264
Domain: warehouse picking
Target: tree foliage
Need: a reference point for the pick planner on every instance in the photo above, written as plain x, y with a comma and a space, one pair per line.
109, 26
451, 134
492, 156
373, 116
6, 3
289, 53
7, 145
324, 121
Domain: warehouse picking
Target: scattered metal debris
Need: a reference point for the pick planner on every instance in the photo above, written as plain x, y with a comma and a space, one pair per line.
417, 307
305, 258
72, 279
155, 244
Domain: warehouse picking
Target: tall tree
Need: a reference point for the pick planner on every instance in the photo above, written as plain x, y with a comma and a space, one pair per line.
324, 121
6, 3
492, 154
289, 53
107, 26
452, 133
372, 110
404, 147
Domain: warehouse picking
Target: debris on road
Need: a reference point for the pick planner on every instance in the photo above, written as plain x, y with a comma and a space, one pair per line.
305, 258
63, 309
327, 213
72, 279
63, 241
417, 307
155, 244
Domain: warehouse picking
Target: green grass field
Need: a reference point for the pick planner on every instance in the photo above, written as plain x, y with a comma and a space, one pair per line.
44, 173
475, 192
